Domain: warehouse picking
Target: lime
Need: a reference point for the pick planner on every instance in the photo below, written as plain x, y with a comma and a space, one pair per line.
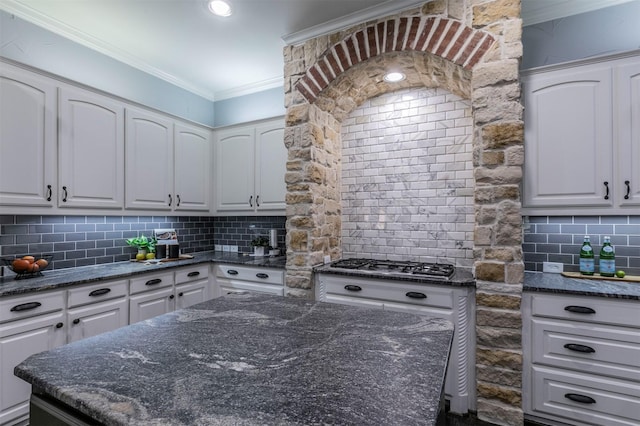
620, 274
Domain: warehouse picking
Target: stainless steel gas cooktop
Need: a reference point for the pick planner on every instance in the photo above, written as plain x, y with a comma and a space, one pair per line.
442, 270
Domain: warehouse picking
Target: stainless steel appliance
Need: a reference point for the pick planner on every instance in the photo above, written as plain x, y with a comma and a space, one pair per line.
438, 270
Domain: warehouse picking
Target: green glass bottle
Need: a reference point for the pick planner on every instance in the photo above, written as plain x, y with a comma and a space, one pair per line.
587, 261
607, 259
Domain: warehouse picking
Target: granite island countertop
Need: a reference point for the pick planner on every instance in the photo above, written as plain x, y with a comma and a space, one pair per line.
254, 359
59, 278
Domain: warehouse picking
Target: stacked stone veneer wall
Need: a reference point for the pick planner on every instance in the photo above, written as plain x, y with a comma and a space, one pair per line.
472, 49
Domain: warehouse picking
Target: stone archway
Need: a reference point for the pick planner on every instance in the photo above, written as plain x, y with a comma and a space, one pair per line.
472, 51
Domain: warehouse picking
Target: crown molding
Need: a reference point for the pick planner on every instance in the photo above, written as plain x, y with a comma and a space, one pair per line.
536, 11
384, 9
248, 89
41, 20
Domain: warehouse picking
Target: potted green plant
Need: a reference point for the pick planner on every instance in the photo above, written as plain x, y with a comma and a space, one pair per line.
146, 246
259, 243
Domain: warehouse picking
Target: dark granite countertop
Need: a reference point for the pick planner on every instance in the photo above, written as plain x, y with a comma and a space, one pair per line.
254, 359
556, 283
73, 276
462, 277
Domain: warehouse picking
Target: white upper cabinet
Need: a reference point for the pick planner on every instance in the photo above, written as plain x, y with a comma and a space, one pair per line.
91, 150
250, 165
582, 124
192, 153
27, 138
627, 90
149, 160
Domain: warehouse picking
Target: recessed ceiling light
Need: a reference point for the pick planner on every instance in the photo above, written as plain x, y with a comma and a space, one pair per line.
394, 77
220, 8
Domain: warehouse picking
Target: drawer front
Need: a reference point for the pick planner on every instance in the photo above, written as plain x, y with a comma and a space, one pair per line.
192, 273
587, 309
150, 282
394, 291
232, 287
260, 275
597, 349
581, 399
97, 292
13, 308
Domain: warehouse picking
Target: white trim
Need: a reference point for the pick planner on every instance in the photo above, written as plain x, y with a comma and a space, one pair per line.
250, 88
384, 9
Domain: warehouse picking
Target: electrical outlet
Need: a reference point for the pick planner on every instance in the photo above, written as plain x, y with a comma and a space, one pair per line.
233, 249
327, 259
553, 267
226, 248
218, 247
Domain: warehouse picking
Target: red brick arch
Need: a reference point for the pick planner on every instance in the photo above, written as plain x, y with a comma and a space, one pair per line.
447, 38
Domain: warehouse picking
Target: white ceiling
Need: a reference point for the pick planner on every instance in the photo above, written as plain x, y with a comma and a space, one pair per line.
181, 42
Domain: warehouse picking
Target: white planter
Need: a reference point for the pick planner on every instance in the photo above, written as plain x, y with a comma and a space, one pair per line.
258, 251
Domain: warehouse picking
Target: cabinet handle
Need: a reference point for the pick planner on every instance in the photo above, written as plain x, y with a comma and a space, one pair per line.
64, 191
262, 275
26, 306
193, 274
170, 200
153, 282
351, 287
251, 201
416, 295
100, 292
606, 185
579, 309
76, 321
628, 184
257, 201
59, 325
181, 294
584, 399
178, 197
579, 348
172, 297
49, 192
232, 272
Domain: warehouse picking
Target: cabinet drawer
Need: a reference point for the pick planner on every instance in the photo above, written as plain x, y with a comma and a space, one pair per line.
587, 309
597, 349
192, 273
261, 275
581, 399
393, 291
150, 282
233, 287
27, 306
97, 292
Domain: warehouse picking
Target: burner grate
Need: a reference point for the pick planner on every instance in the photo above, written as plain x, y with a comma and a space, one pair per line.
404, 267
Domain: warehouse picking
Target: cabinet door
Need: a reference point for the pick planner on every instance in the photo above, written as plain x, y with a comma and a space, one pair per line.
192, 151
148, 160
568, 138
192, 293
91, 150
271, 165
628, 128
235, 170
27, 138
97, 318
19, 340
151, 304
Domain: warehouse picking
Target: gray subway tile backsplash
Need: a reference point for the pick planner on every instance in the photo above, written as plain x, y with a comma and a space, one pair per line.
89, 240
559, 238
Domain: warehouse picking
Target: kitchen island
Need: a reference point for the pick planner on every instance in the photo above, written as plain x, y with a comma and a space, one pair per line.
251, 359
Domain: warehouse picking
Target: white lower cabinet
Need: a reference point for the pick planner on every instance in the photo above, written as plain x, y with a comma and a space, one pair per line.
581, 360
192, 286
238, 279
97, 309
28, 325
456, 304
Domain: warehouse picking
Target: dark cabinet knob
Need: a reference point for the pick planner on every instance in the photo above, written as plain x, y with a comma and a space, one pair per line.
351, 287
579, 309
606, 186
59, 325
193, 274
76, 321
64, 191
153, 282
416, 295
25, 306
180, 294
628, 185
172, 297
49, 192
100, 292
583, 399
232, 272
261, 275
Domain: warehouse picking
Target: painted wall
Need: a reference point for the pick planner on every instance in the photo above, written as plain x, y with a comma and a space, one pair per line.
255, 106
600, 32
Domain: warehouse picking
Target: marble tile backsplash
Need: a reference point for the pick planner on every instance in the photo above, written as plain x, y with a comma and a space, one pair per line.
407, 178
90, 240
558, 239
